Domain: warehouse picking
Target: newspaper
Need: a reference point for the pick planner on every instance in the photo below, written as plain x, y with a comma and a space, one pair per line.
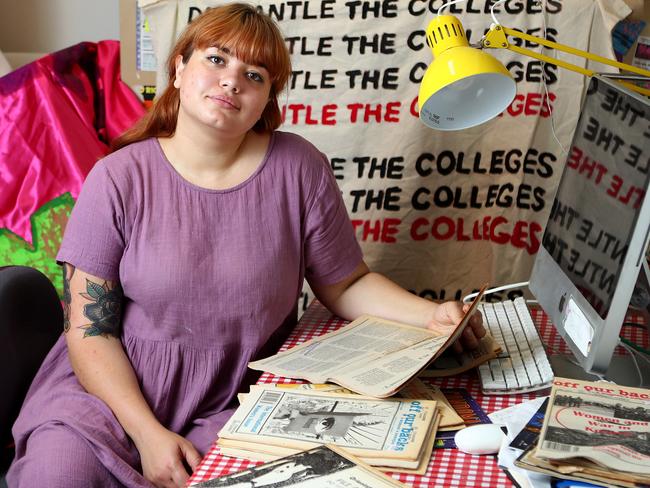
585, 472
322, 387
367, 427
370, 356
322, 466
602, 422
449, 418
328, 387
450, 364
266, 452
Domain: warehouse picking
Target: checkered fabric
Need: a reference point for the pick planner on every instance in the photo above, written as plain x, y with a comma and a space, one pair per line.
448, 467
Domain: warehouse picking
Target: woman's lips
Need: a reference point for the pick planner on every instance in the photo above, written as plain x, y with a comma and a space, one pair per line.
224, 101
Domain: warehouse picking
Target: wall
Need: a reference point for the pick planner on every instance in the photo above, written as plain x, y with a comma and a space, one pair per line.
32, 27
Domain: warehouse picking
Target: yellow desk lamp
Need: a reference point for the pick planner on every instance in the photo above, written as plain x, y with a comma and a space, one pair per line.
465, 86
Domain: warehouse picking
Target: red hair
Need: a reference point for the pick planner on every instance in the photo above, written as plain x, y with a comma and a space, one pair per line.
249, 35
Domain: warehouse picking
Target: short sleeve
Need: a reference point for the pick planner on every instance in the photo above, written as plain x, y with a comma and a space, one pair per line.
331, 250
93, 240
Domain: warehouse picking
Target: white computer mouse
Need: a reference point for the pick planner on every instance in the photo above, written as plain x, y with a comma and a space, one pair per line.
480, 439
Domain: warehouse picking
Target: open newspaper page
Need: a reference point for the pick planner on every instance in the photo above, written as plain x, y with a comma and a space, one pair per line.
603, 422
370, 356
357, 347
322, 466
301, 419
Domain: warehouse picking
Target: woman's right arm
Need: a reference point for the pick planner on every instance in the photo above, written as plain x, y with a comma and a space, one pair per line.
92, 325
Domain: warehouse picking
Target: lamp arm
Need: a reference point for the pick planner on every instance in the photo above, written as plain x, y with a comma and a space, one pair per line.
496, 38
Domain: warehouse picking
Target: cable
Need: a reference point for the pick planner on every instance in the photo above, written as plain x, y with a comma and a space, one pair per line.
636, 347
447, 4
547, 98
636, 363
489, 291
548, 104
494, 18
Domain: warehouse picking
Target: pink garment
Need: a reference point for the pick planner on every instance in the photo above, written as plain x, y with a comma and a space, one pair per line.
57, 117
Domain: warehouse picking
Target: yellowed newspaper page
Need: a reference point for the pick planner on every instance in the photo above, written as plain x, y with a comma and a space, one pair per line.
239, 452
265, 452
449, 418
603, 422
255, 447
354, 346
601, 476
394, 428
387, 374
370, 356
425, 457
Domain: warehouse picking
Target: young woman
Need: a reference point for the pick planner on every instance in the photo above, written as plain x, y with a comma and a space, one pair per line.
183, 258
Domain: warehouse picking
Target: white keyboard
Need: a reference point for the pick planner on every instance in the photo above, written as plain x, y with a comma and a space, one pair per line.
522, 366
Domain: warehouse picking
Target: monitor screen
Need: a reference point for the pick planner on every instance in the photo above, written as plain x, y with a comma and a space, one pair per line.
600, 194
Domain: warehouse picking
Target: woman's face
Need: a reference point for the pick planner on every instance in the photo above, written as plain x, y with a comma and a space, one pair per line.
220, 91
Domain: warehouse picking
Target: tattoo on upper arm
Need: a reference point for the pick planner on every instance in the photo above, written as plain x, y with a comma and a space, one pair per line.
68, 272
104, 311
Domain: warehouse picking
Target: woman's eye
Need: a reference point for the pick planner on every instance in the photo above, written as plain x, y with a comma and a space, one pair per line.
255, 76
215, 59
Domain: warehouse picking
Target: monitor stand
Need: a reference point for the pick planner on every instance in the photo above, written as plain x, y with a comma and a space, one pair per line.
622, 369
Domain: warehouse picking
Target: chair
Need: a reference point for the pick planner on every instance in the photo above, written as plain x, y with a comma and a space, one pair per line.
31, 320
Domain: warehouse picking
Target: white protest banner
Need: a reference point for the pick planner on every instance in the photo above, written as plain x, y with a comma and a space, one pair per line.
438, 212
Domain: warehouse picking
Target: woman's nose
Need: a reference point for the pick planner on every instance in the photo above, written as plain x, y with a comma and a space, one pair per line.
231, 83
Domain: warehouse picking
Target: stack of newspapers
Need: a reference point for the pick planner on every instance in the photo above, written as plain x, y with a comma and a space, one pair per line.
395, 434
594, 432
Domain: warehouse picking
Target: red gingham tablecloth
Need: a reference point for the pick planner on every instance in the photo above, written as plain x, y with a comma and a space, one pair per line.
448, 467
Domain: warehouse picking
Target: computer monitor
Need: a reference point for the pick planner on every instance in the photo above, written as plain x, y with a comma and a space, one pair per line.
595, 241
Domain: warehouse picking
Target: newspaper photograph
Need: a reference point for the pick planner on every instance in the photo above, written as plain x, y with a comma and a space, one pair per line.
300, 419
320, 467
603, 422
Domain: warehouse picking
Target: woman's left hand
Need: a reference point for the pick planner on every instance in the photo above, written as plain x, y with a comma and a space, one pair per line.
448, 315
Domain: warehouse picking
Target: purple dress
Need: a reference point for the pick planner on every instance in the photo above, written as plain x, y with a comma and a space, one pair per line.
210, 279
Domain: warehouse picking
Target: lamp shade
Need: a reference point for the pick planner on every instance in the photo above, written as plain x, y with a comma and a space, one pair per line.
463, 86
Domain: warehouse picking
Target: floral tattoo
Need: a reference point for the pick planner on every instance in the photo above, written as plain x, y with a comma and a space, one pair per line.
105, 310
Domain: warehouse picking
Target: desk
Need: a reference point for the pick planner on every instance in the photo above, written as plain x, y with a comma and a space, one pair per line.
448, 467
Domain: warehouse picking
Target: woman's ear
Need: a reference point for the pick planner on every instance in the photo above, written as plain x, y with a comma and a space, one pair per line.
180, 66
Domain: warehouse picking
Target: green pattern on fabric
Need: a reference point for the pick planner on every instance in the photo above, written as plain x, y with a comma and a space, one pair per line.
48, 224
